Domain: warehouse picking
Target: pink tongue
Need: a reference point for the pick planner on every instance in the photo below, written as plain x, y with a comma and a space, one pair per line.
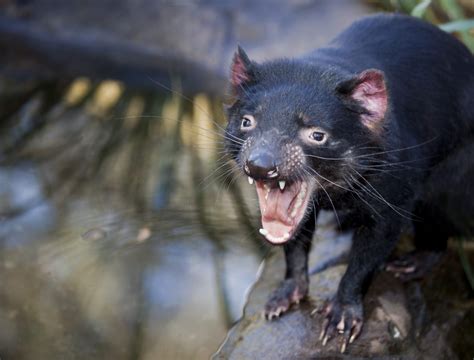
275, 208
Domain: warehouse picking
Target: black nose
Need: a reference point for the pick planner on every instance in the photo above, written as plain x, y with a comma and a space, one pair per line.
261, 166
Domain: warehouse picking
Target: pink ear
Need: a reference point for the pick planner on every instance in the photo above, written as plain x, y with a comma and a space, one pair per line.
241, 72
369, 90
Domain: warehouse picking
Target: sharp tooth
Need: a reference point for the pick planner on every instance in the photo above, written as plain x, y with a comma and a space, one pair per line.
250, 180
281, 183
264, 232
286, 236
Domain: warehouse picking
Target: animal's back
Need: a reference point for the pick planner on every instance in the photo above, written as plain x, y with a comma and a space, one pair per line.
429, 74
430, 78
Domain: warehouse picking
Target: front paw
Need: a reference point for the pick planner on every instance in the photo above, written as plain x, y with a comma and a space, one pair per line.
291, 291
343, 319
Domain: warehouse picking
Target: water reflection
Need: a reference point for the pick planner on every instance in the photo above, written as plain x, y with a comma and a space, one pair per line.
116, 242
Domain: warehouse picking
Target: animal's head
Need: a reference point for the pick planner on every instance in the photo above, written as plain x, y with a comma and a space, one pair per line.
296, 130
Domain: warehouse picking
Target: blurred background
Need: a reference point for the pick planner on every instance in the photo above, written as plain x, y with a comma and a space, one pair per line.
125, 233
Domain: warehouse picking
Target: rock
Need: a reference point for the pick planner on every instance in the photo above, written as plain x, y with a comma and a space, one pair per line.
393, 304
392, 312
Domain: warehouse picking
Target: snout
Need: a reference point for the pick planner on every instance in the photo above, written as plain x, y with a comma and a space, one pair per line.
262, 165
283, 196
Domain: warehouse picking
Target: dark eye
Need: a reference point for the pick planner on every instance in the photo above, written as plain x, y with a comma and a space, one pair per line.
248, 123
318, 136
314, 135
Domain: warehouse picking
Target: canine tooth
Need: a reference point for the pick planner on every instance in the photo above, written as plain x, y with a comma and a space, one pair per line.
250, 180
282, 184
286, 236
264, 232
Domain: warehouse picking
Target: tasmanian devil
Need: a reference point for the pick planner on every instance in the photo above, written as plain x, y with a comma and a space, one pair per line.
375, 127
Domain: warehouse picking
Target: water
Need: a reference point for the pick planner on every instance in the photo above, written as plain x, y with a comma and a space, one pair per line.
116, 242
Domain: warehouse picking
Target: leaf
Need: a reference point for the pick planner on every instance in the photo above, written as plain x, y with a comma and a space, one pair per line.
459, 25
420, 9
455, 13
465, 262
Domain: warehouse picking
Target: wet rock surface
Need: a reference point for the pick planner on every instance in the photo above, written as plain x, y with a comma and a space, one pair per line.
429, 319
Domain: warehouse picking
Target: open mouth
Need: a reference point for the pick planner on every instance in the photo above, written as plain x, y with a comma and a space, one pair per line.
283, 205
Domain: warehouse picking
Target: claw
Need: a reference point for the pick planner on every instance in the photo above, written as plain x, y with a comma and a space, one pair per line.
326, 310
291, 291
351, 340
343, 346
340, 325
272, 314
340, 321
356, 328
325, 340
276, 313
323, 329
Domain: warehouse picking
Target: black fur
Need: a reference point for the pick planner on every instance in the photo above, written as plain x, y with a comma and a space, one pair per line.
399, 171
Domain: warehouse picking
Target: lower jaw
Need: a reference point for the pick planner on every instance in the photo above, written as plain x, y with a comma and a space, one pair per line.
296, 215
274, 239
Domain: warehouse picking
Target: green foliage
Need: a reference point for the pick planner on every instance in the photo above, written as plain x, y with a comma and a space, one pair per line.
459, 25
420, 9
455, 13
465, 262
437, 12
